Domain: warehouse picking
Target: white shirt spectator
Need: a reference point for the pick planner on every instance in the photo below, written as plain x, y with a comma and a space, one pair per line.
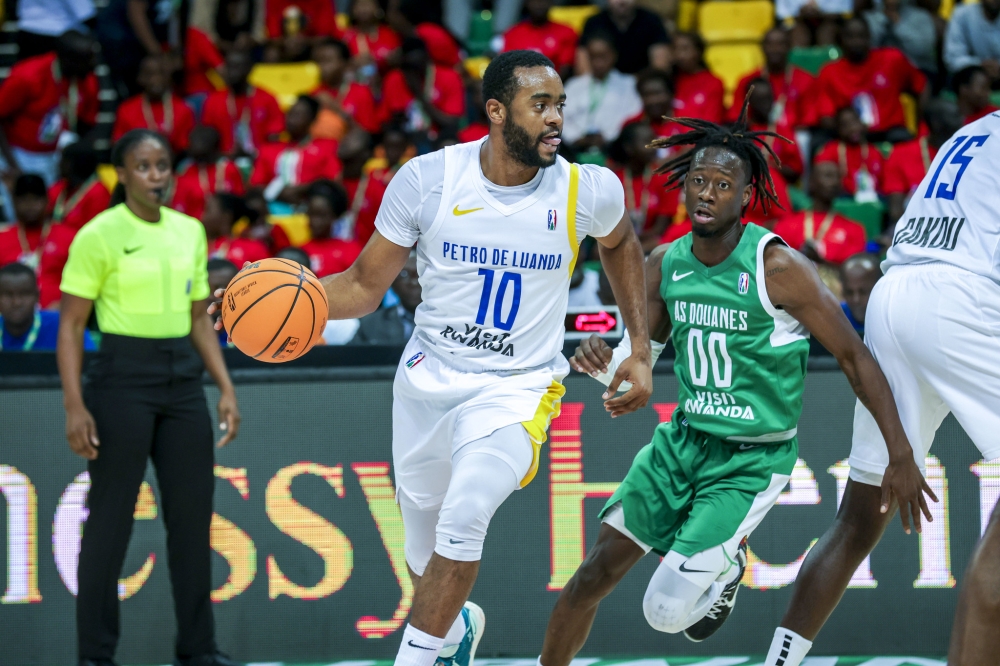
971, 38
54, 17
599, 106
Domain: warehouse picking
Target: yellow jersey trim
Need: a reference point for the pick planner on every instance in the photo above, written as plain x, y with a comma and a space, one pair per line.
574, 187
548, 408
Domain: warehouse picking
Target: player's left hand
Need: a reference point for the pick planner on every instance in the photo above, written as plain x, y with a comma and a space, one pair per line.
639, 373
229, 417
903, 480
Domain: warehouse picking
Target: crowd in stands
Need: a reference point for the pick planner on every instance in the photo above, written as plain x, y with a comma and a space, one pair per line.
301, 173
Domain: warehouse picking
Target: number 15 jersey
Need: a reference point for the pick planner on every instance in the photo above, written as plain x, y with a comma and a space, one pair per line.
954, 214
495, 262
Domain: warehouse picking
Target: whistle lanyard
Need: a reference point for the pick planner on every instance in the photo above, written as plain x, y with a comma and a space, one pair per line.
168, 114
220, 178
842, 157
810, 226
647, 176
29, 257
29, 342
63, 207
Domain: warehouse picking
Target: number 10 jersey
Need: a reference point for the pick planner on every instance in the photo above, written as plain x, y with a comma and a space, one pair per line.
741, 363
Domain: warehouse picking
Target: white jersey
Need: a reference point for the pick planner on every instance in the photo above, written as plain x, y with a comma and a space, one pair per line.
495, 275
953, 215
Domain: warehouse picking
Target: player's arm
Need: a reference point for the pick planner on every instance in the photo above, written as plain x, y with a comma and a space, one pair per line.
597, 359
794, 285
359, 290
621, 256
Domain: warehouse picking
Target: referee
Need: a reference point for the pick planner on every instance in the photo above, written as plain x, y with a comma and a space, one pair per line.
142, 267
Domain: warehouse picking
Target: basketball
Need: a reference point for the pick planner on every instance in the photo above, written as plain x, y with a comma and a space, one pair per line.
275, 310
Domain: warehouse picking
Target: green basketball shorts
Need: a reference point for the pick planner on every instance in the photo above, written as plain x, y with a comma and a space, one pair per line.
689, 491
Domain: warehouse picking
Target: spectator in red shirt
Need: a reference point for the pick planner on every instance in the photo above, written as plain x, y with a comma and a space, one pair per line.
972, 88
245, 117
364, 191
870, 80
55, 253
369, 39
222, 211
35, 105
422, 95
326, 202
206, 172
285, 170
156, 108
537, 33
397, 149
647, 202
479, 124
79, 195
656, 90
23, 240
346, 100
760, 111
861, 165
789, 83
441, 46
819, 233
909, 161
200, 57
697, 92
299, 18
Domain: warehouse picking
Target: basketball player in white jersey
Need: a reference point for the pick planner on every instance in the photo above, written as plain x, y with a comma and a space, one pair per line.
497, 225
933, 325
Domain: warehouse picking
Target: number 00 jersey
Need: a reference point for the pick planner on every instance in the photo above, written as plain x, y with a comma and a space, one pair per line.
741, 363
953, 215
495, 276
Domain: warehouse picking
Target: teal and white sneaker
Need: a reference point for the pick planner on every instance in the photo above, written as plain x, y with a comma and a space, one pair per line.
465, 652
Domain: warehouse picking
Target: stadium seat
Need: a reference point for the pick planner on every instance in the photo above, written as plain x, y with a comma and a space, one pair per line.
476, 67
813, 58
286, 81
799, 199
909, 112
869, 214
295, 225
343, 21
687, 15
731, 62
480, 32
727, 21
574, 17
107, 175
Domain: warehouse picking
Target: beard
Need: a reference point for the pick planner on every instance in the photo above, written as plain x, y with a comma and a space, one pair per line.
522, 147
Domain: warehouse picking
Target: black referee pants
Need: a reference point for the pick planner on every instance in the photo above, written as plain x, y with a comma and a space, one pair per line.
147, 400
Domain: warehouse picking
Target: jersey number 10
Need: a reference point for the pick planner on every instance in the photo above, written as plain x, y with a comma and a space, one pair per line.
958, 157
506, 279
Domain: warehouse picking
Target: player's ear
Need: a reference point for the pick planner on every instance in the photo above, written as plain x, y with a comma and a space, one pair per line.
747, 193
495, 111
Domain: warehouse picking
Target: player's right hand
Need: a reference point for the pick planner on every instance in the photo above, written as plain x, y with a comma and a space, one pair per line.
81, 431
903, 480
216, 303
592, 356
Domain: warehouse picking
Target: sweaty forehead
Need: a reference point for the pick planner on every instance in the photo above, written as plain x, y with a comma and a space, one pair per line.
719, 159
534, 80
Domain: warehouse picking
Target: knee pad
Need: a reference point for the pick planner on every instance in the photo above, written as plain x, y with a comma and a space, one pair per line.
665, 613
680, 588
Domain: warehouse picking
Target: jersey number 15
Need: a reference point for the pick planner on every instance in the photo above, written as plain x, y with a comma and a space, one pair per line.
956, 155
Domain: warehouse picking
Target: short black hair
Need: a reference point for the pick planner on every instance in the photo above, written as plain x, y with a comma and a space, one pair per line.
616, 151
235, 206
30, 184
413, 43
311, 102
333, 193
345, 52
600, 36
293, 253
738, 139
963, 77
653, 74
760, 81
500, 80
73, 43
696, 39
82, 158
219, 264
125, 145
15, 269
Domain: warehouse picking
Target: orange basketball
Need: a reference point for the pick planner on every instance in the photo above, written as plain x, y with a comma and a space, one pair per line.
275, 310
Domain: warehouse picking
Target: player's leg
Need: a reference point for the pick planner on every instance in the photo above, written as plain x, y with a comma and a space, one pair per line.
974, 637
484, 473
605, 565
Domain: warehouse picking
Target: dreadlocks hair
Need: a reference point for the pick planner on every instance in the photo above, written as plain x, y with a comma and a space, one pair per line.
738, 138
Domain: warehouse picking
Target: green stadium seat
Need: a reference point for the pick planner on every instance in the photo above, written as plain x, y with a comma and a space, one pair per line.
728, 21
868, 214
813, 58
480, 33
798, 198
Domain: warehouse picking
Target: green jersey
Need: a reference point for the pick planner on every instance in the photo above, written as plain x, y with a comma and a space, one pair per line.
741, 362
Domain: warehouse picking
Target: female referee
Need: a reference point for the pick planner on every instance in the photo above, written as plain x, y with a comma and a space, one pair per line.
142, 267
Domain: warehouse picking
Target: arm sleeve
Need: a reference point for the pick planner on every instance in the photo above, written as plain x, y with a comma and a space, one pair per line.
199, 278
397, 217
600, 201
87, 266
957, 52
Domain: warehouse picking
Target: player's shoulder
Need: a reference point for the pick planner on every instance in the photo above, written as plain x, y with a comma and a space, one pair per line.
597, 178
988, 125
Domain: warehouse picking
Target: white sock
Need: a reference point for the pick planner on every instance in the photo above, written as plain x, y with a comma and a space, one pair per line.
787, 648
454, 637
418, 648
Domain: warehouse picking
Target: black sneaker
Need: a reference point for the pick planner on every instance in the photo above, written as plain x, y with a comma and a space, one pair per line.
720, 610
211, 659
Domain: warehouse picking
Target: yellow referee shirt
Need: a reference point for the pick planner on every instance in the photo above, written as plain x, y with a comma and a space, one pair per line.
142, 276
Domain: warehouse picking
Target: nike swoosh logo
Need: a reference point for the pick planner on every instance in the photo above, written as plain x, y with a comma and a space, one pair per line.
681, 276
686, 570
747, 447
133, 249
412, 644
465, 212
453, 541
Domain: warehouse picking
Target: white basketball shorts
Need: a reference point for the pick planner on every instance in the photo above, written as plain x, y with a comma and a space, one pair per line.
935, 331
439, 405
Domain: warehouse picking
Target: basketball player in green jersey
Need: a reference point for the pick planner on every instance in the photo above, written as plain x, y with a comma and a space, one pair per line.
739, 305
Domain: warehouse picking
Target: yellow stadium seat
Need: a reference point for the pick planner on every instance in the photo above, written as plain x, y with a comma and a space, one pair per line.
286, 81
574, 17
687, 15
727, 21
296, 226
343, 21
910, 112
731, 62
476, 66
107, 175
